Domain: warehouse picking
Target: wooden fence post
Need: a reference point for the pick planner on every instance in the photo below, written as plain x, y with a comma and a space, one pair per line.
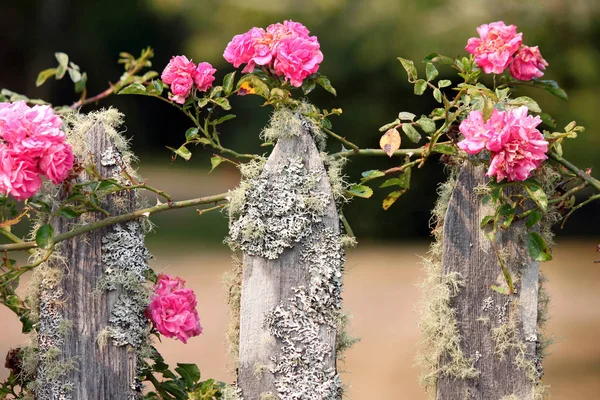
289, 232
498, 332
92, 298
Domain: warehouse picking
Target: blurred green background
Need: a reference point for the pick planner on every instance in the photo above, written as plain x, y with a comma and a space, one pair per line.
360, 41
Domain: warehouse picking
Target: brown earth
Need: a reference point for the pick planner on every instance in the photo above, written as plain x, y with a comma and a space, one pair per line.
381, 294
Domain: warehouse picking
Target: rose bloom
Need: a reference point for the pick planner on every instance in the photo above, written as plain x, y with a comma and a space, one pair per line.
528, 64
515, 145
204, 76
242, 50
495, 46
19, 175
173, 309
179, 74
56, 162
297, 58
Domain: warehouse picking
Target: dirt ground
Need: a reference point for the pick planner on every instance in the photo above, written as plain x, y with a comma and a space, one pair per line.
381, 294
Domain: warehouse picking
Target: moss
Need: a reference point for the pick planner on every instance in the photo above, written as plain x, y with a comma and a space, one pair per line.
232, 281
287, 123
344, 340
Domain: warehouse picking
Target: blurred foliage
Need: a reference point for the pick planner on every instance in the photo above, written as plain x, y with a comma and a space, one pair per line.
360, 41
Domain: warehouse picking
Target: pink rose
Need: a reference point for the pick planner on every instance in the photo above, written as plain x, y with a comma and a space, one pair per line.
203, 76
297, 58
516, 146
179, 74
528, 64
242, 49
24, 179
56, 162
173, 309
495, 46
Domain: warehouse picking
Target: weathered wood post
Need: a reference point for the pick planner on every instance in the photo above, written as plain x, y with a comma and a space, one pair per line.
91, 294
497, 333
288, 229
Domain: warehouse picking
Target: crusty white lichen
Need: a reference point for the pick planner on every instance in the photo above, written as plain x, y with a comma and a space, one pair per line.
287, 123
267, 228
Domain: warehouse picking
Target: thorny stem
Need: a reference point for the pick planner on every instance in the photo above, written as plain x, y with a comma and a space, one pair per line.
590, 180
341, 139
29, 267
377, 152
205, 210
578, 206
144, 212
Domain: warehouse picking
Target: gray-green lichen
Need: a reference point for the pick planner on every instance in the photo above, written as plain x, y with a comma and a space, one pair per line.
267, 228
287, 123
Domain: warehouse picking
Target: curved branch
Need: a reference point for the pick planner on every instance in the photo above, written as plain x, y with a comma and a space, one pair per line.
144, 212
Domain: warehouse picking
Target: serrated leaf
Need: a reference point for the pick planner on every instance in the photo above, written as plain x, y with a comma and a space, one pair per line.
223, 103
533, 218
537, 248
486, 220
360, 191
531, 104
406, 116
61, 70
371, 174
182, 152
44, 237
548, 120
389, 126
427, 124
537, 194
67, 212
402, 181
390, 141
552, 88
308, 86
44, 75
412, 134
215, 162
438, 58
62, 58
444, 149
224, 118
134, 88
420, 86
437, 95
75, 75
326, 84
410, 69
191, 133
431, 71
228, 83
203, 102
444, 83
391, 198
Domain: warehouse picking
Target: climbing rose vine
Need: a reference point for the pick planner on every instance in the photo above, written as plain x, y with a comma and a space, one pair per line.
283, 49
32, 145
173, 309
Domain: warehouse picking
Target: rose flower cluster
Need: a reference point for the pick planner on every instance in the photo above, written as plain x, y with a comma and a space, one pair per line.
515, 145
500, 46
285, 49
32, 144
182, 74
172, 309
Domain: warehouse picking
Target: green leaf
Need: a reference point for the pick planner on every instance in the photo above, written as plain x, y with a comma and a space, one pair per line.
427, 124
158, 86
371, 174
411, 133
68, 212
531, 104
173, 389
486, 220
410, 69
191, 133
44, 75
203, 102
537, 194
538, 249
431, 71
391, 198
189, 372
308, 86
552, 88
488, 108
406, 116
80, 84
533, 218
228, 83
500, 289
134, 88
389, 126
548, 120
215, 162
444, 149
402, 181
62, 58
60, 72
109, 184
444, 83
182, 152
420, 86
437, 95
326, 84
224, 118
437, 58
506, 209
75, 75
223, 103
254, 85
360, 191
44, 237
